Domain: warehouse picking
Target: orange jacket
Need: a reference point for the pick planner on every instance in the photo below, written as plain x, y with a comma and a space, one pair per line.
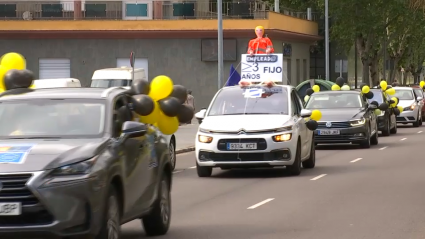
260, 46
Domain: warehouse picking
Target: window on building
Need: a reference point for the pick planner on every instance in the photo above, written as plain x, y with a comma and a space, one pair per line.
135, 10
52, 10
183, 9
8, 10
53, 68
95, 10
139, 63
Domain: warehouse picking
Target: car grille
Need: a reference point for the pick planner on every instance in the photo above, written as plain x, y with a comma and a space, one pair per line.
335, 125
261, 143
15, 190
283, 154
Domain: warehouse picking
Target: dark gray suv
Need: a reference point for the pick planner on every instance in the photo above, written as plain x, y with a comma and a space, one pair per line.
72, 167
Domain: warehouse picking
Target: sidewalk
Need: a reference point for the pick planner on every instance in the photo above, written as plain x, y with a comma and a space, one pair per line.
185, 137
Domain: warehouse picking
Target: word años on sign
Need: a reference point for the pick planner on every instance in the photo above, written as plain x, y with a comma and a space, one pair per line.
272, 69
248, 76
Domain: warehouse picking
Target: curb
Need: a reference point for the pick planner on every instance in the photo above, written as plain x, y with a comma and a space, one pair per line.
185, 150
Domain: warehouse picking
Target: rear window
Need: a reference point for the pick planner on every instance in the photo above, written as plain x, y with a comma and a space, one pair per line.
377, 96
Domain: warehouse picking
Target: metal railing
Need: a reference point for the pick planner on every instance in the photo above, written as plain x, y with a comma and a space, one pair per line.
135, 10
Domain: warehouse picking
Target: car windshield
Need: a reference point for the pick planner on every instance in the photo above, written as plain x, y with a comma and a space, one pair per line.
334, 101
404, 94
419, 92
109, 83
377, 96
250, 100
51, 118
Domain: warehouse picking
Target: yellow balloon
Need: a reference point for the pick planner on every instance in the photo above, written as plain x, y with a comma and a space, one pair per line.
336, 87
390, 91
383, 85
365, 89
316, 88
400, 109
395, 100
168, 125
422, 84
152, 118
161, 87
13, 60
3, 71
316, 115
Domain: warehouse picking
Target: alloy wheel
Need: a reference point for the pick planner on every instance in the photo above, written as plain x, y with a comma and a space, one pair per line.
113, 224
165, 202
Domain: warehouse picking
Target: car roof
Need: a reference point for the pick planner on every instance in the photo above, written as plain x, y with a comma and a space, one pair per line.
237, 87
66, 93
402, 88
337, 92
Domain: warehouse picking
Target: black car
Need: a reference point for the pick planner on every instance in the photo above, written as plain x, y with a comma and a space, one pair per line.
347, 117
71, 167
387, 123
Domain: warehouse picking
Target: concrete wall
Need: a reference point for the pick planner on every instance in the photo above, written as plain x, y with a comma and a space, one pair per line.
180, 59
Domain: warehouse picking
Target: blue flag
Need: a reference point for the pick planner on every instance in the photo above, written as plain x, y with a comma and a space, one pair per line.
234, 77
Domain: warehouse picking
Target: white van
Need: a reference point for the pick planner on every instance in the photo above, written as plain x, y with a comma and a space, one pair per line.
112, 77
56, 83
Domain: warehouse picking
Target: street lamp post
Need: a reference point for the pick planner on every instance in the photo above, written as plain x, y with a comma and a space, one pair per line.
327, 39
220, 43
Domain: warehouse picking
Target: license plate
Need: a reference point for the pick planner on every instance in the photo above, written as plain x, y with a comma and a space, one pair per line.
10, 209
237, 146
328, 132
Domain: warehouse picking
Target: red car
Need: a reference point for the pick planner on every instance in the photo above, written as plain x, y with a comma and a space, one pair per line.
420, 93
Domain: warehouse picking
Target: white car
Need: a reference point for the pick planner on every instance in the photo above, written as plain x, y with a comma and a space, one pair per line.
254, 127
412, 106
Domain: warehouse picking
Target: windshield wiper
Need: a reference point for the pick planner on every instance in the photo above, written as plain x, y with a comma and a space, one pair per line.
40, 137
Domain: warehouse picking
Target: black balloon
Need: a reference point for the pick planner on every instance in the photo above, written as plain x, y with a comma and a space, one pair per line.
391, 102
340, 81
15, 79
312, 125
185, 114
398, 100
383, 106
142, 104
170, 106
140, 87
179, 92
124, 114
309, 91
374, 103
369, 95
396, 111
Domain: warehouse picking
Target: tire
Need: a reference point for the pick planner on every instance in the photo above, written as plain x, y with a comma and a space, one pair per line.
387, 130
366, 143
375, 139
203, 171
172, 151
157, 222
111, 224
416, 124
420, 122
295, 168
394, 130
311, 161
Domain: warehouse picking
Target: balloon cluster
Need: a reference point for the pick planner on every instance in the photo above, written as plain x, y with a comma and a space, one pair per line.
392, 103
316, 115
13, 74
160, 103
310, 91
340, 84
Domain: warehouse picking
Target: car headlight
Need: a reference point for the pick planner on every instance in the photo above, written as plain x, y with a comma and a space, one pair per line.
410, 108
205, 139
75, 169
282, 137
358, 122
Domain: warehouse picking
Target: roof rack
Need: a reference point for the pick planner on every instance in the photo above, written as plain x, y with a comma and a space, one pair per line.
106, 92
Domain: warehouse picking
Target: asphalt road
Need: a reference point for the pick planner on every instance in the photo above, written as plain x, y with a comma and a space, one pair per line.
353, 193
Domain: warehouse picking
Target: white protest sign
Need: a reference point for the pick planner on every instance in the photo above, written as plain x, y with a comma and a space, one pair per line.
263, 67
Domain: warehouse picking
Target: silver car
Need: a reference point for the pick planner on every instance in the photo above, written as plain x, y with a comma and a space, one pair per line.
411, 104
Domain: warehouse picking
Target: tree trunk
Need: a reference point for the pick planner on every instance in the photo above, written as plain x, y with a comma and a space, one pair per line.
374, 77
394, 69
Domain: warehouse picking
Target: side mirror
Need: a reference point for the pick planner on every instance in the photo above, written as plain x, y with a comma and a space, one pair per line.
419, 98
305, 113
372, 107
200, 114
132, 129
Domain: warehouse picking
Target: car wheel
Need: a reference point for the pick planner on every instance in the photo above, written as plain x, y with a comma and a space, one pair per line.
420, 121
386, 132
172, 149
203, 171
158, 221
311, 161
295, 168
394, 130
416, 124
374, 140
111, 225
366, 143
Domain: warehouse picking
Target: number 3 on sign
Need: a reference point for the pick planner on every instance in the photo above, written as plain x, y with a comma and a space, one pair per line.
255, 67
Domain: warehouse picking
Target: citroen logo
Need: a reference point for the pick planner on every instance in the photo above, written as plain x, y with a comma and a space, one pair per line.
242, 131
328, 124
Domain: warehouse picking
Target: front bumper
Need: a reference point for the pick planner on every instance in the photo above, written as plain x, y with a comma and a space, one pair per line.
408, 116
62, 208
347, 134
268, 153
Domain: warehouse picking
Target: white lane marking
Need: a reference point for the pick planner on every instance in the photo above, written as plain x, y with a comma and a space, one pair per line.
178, 171
193, 167
261, 203
355, 160
383, 148
320, 176
403, 139
419, 132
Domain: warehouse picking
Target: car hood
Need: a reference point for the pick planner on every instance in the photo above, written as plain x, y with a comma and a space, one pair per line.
405, 103
341, 114
38, 155
234, 123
